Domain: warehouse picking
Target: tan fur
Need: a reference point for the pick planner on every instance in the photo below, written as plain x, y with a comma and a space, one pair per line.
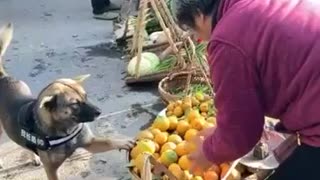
59, 88
6, 33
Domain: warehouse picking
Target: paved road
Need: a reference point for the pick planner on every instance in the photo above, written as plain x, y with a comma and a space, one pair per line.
58, 38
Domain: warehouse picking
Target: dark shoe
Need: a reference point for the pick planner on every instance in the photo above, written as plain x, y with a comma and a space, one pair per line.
113, 7
106, 16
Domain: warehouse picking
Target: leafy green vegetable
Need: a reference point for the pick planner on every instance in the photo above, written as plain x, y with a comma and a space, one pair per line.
194, 88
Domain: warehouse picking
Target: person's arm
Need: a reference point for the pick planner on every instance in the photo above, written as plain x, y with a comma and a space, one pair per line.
240, 116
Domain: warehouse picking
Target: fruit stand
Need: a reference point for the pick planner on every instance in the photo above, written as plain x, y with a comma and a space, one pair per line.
162, 149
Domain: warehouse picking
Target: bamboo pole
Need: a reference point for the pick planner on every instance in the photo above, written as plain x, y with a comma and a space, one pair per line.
163, 26
140, 27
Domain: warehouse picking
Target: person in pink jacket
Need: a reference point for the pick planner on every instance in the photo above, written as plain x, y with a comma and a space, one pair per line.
264, 58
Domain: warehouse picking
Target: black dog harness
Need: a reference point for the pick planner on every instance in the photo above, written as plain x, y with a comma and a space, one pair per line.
35, 138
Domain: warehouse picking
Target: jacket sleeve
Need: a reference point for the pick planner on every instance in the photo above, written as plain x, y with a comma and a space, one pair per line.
240, 116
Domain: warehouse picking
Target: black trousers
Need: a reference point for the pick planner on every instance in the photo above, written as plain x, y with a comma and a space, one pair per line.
99, 6
303, 164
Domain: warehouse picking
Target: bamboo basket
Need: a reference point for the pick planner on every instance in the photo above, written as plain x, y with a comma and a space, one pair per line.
179, 79
158, 169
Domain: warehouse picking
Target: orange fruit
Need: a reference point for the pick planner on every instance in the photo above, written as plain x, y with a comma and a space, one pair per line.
170, 106
184, 162
215, 168
204, 107
175, 170
155, 131
136, 170
198, 123
157, 146
198, 172
200, 96
197, 178
182, 127
191, 147
156, 155
182, 149
161, 138
186, 175
168, 146
178, 103
139, 161
224, 169
169, 113
168, 157
207, 125
190, 134
195, 101
212, 120
175, 138
134, 152
161, 123
178, 111
146, 145
193, 114
187, 103
210, 175
173, 122
204, 114
145, 135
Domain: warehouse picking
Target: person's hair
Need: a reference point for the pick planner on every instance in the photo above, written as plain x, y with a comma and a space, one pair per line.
185, 11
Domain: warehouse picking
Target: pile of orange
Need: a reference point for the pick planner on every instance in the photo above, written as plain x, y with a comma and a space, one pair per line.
170, 138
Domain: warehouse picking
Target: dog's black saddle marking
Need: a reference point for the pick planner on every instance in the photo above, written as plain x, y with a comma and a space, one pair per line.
35, 138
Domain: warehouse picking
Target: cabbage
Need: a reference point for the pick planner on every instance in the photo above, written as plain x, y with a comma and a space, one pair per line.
148, 64
153, 58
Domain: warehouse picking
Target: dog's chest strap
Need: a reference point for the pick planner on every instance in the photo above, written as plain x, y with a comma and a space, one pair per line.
33, 138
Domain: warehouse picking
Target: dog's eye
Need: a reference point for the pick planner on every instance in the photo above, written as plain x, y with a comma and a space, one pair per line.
75, 106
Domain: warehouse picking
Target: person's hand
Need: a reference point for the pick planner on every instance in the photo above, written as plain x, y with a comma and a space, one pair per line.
198, 159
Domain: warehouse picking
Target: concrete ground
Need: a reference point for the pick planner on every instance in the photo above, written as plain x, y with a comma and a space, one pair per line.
59, 38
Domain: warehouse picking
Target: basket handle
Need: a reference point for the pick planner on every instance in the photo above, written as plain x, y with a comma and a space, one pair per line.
146, 173
160, 169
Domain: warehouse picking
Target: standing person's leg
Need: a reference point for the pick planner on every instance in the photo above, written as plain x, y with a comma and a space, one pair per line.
98, 6
302, 164
102, 9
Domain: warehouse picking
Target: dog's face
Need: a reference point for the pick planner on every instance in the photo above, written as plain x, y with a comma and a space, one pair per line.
65, 101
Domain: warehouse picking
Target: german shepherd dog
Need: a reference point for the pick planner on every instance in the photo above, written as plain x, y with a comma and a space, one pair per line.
52, 126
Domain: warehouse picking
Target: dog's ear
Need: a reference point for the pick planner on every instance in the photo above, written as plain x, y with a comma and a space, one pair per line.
5, 38
82, 78
49, 102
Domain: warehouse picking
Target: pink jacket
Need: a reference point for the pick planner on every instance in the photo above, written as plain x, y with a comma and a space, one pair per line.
265, 60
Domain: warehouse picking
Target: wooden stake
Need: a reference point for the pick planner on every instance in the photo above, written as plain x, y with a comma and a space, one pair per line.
140, 38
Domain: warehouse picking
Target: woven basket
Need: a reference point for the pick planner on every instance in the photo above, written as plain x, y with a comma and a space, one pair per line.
157, 168
174, 81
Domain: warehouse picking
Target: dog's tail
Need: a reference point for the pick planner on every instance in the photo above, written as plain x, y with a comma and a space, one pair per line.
5, 39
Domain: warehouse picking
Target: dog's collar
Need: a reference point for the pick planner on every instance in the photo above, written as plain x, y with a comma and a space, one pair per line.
34, 138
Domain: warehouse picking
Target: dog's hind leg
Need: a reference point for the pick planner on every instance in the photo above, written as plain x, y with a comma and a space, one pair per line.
98, 145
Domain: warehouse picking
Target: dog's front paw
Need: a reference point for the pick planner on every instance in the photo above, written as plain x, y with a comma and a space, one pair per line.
126, 144
35, 161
